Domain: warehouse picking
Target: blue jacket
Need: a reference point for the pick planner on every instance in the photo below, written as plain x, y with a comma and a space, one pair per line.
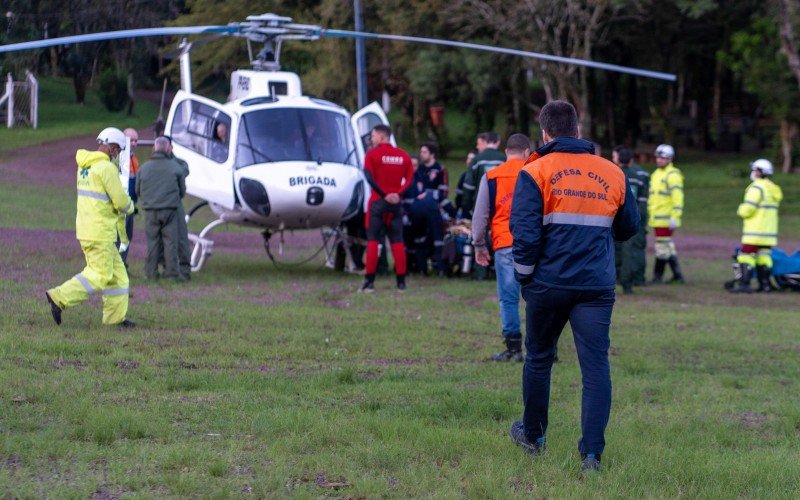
569, 206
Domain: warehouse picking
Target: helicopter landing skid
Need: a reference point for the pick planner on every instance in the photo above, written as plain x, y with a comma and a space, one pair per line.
335, 241
203, 247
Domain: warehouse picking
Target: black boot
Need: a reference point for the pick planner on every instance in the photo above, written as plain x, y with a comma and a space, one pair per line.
401, 282
764, 279
677, 276
658, 271
369, 284
743, 285
513, 350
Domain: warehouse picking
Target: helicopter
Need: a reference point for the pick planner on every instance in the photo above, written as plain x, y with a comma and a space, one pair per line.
271, 157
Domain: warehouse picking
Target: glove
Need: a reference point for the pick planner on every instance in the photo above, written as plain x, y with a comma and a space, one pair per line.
673, 222
123, 247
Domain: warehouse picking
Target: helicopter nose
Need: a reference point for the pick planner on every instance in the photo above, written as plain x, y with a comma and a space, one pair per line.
254, 195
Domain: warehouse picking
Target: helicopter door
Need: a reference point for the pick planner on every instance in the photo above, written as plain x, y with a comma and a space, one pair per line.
201, 135
363, 121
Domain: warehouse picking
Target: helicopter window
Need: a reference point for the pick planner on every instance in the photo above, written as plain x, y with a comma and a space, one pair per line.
365, 125
278, 88
203, 129
294, 134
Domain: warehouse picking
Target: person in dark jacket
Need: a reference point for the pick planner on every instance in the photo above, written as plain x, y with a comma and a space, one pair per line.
160, 185
630, 255
568, 208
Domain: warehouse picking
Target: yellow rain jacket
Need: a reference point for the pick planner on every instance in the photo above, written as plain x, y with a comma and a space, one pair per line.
101, 197
760, 213
666, 196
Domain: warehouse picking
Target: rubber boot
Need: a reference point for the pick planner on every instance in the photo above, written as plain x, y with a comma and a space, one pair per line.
658, 271
764, 275
677, 276
743, 285
513, 350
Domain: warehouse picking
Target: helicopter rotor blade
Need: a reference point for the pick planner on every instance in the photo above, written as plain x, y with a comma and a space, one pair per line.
114, 35
172, 54
475, 46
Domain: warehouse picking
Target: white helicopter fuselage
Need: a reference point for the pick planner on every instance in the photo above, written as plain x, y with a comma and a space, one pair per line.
278, 162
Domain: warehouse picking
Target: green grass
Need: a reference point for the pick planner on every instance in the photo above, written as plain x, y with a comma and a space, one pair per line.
278, 383
285, 383
61, 117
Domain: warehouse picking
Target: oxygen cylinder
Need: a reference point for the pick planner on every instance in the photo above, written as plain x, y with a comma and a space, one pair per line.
466, 259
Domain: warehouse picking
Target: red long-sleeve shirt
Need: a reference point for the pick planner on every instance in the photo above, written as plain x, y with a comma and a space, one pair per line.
388, 170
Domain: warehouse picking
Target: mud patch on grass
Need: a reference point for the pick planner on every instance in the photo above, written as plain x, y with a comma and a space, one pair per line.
127, 365
12, 462
66, 363
752, 419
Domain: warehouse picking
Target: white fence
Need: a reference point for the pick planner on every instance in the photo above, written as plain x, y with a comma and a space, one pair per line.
20, 102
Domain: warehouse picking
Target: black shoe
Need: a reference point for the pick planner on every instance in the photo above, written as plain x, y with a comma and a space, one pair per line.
590, 463
658, 271
677, 275
401, 283
54, 309
508, 355
517, 434
126, 323
764, 275
369, 285
513, 350
742, 285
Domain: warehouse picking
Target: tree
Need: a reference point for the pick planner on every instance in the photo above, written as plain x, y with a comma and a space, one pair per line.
756, 58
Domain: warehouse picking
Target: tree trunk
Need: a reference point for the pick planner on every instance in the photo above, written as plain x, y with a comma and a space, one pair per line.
788, 45
788, 132
79, 82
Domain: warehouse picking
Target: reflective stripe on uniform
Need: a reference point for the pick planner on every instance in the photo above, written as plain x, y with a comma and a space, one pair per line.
127, 207
523, 269
116, 291
92, 194
85, 283
770, 235
578, 219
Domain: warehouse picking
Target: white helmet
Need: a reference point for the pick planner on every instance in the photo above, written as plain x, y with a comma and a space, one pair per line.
665, 151
112, 135
763, 166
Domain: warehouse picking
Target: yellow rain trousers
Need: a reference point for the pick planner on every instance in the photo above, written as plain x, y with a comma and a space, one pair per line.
104, 274
102, 204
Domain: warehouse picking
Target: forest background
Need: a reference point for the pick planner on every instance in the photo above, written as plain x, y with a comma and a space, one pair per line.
737, 63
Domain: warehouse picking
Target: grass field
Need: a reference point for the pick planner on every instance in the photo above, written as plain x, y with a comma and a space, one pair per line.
254, 381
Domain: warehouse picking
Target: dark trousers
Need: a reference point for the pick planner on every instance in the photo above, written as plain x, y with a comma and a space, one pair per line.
630, 260
184, 250
547, 311
129, 233
161, 227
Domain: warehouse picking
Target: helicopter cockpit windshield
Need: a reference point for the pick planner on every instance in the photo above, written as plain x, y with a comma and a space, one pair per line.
294, 134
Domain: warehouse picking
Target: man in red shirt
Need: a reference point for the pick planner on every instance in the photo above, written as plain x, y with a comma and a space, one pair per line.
388, 171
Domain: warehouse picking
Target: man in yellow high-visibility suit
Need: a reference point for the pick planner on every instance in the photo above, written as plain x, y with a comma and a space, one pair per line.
760, 230
102, 202
665, 207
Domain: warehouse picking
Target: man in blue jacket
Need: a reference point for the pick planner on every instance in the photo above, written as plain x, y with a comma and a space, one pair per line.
569, 206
